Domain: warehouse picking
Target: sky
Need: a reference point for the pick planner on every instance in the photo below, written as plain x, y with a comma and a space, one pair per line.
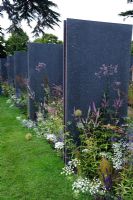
95, 10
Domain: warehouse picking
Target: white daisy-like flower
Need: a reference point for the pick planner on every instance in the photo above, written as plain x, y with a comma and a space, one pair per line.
67, 170
74, 162
81, 185
117, 158
59, 145
51, 137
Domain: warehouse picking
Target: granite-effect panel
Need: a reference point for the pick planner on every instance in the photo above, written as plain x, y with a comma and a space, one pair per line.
90, 45
20, 71
3, 69
10, 70
45, 63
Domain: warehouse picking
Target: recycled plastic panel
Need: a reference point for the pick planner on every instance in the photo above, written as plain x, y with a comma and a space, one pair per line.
45, 61
20, 71
10, 70
3, 69
89, 45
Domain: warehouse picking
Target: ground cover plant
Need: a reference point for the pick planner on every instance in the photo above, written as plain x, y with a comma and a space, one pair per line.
14, 100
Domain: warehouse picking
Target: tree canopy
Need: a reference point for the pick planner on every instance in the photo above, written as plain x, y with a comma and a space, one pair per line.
39, 11
2, 47
17, 41
48, 38
128, 13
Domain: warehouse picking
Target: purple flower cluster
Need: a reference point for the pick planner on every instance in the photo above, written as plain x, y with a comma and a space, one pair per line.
107, 180
118, 103
107, 70
105, 102
40, 66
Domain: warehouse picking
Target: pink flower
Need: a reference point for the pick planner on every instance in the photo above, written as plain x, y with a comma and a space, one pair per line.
40, 66
117, 103
51, 110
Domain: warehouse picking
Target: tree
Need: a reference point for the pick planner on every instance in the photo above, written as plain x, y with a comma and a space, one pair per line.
128, 13
17, 41
48, 38
39, 11
2, 47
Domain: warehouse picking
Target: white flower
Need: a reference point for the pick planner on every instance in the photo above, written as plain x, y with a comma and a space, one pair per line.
94, 186
59, 145
84, 185
51, 137
67, 170
28, 123
117, 158
81, 185
74, 162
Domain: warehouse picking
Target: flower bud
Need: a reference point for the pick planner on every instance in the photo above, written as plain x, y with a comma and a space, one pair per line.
77, 113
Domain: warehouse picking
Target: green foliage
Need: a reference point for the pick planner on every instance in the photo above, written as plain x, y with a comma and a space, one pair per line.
52, 124
105, 168
102, 140
51, 121
89, 160
7, 90
1, 33
128, 13
20, 102
2, 47
96, 153
130, 94
132, 48
39, 11
125, 187
17, 42
48, 38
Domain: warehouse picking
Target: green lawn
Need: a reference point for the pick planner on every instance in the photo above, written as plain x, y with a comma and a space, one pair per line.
29, 170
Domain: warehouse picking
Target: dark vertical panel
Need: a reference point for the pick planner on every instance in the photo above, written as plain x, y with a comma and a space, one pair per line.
89, 45
20, 71
50, 59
